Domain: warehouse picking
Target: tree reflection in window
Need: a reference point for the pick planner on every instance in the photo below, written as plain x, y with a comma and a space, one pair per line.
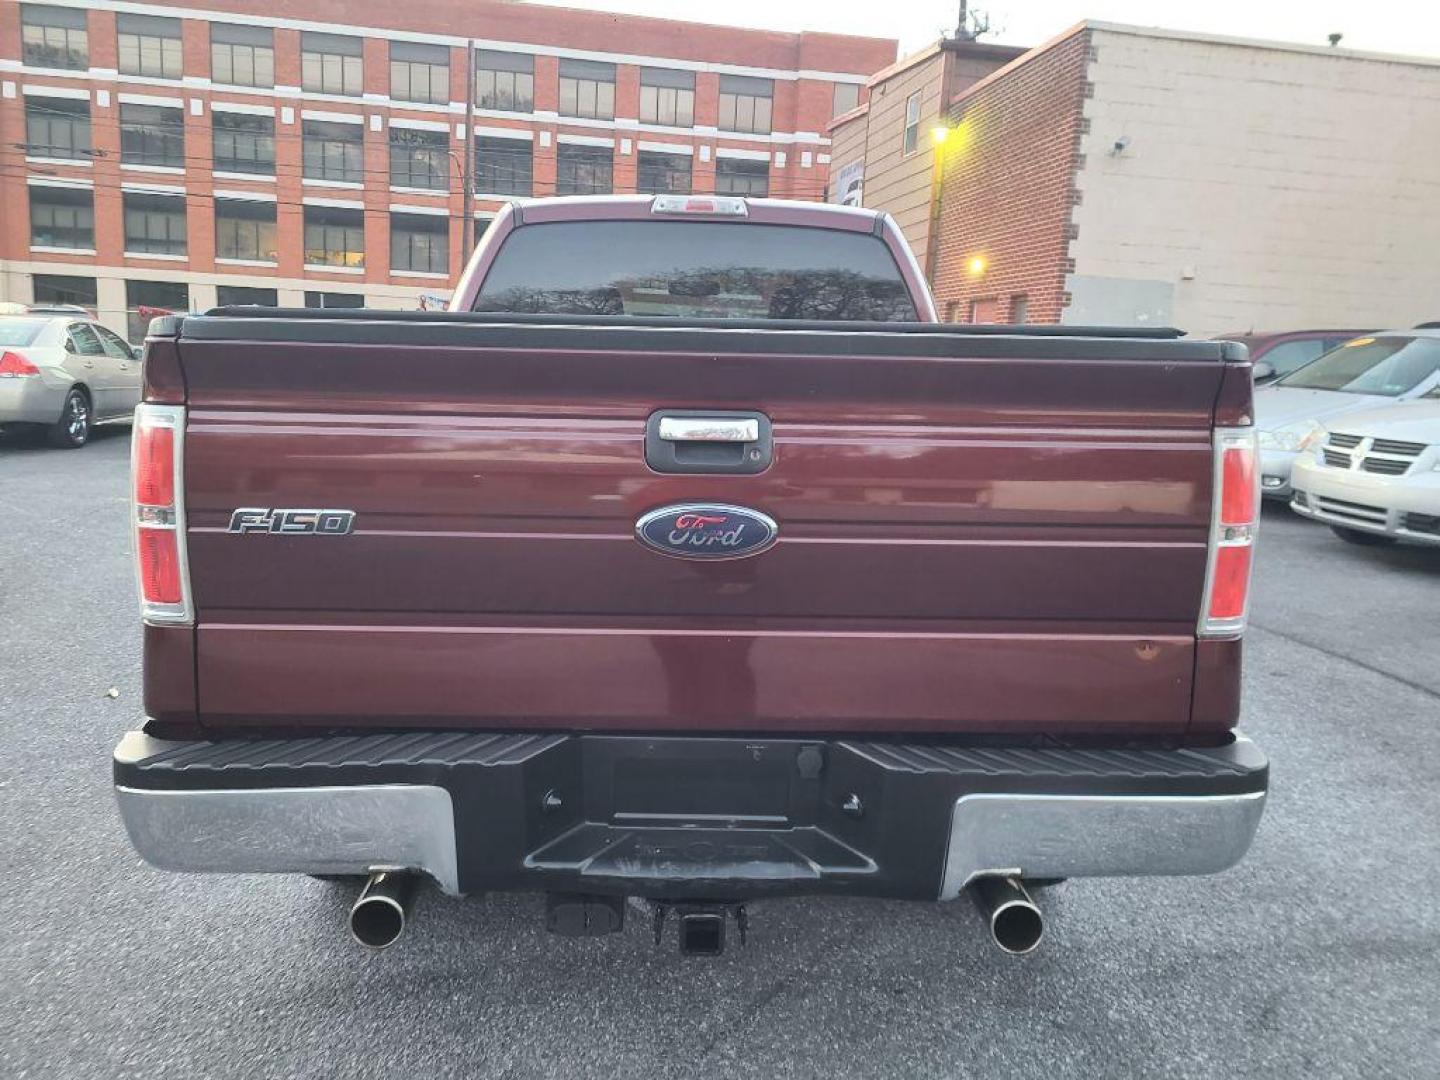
640, 268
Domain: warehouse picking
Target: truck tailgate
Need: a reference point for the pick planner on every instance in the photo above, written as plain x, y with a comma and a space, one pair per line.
998, 534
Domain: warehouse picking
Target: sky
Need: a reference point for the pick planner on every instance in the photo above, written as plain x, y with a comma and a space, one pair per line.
1400, 26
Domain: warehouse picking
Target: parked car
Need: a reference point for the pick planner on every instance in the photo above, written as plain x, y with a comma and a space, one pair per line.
1375, 478
64, 374
1276, 355
1379, 369
688, 558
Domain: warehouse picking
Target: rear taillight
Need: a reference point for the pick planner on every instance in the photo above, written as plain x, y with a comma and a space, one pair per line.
157, 470
1235, 511
15, 366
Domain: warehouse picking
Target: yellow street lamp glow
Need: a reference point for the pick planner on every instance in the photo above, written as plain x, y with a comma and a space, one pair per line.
940, 134
977, 265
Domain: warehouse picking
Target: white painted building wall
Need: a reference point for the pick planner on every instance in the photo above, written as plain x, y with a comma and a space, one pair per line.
1263, 186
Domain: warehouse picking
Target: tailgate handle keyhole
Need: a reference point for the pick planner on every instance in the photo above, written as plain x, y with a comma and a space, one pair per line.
708, 441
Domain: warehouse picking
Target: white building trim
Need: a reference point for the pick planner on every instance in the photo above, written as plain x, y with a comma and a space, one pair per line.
408, 208
242, 107
456, 41
746, 155
667, 147
75, 93
244, 196
333, 117
152, 99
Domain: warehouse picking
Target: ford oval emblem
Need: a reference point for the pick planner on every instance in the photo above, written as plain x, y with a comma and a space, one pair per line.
706, 531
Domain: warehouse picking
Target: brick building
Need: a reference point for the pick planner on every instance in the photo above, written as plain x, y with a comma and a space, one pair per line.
1135, 176
182, 154
882, 149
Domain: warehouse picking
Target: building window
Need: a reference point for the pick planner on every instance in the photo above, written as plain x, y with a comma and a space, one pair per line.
333, 151
658, 174
847, 97
1019, 309
152, 135
745, 104
64, 289
54, 37
334, 236
242, 55
57, 127
243, 143
246, 296
503, 166
420, 159
741, 176
146, 300
333, 299
667, 97
419, 72
154, 224
911, 140
587, 88
330, 64
504, 81
149, 46
62, 217
420, 243
245, 229
584, 170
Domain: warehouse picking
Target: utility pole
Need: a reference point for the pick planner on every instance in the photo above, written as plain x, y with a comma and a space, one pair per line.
467, 230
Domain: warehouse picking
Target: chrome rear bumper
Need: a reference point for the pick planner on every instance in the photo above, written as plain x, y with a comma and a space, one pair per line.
753, 817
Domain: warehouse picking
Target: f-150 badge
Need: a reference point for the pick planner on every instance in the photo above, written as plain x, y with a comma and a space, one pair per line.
259, 519
706, 531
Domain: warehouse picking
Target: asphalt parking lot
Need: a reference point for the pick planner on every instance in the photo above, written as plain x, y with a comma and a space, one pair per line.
1317, 957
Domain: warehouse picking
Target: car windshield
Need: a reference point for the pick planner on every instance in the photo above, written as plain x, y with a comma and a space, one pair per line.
713, 270
20, 331
1386, 366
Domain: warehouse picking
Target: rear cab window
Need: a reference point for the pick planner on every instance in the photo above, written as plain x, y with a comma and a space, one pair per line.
696, 270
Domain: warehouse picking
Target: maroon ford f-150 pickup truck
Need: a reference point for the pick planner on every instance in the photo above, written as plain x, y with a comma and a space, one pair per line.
688, 558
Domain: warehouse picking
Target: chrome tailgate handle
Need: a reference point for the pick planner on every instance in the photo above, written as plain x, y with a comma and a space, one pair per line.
732, 441
708, 429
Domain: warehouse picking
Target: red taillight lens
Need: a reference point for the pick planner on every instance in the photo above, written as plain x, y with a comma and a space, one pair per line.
159, 553
1230, 582
155, 466
1237, 486
13, 366
1234, 514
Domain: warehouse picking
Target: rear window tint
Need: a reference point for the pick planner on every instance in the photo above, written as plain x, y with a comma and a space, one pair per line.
20, 331
692, 270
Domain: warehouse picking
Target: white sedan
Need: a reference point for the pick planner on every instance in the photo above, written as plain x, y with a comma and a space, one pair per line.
1378, 369
1374, 476
64, 374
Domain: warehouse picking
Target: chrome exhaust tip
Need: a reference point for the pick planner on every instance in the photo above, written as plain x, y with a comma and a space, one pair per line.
378, 916
1016, 924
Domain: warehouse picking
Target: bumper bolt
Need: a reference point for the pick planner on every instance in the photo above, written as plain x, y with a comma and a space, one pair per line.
853, 806
551, 802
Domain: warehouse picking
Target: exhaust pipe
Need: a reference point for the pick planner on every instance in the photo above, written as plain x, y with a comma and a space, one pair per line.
378, 916
1015, 922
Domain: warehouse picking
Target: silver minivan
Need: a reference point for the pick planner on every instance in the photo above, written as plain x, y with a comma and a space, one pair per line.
65, 373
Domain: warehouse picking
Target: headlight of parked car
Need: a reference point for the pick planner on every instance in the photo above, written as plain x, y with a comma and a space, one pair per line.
1291, 437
